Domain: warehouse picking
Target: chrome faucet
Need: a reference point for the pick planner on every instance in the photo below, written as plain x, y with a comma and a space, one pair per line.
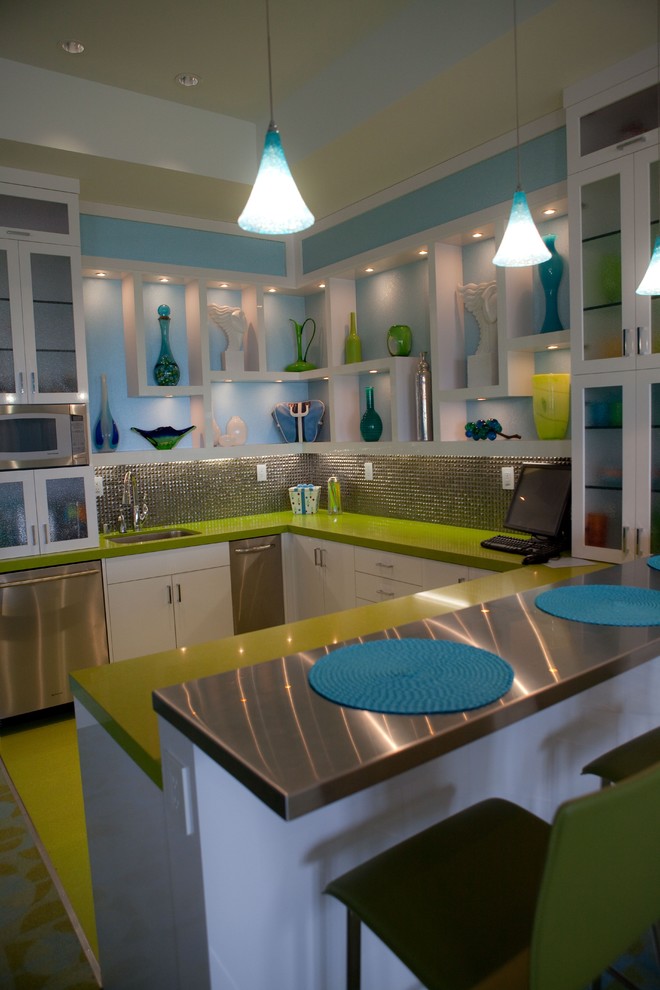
129, 500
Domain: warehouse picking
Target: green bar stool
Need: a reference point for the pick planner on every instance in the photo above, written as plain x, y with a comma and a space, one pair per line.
623, 761
495, 898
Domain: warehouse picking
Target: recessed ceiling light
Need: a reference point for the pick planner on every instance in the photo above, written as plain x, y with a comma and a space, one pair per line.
373, 371
101, 274
552, 347
422, 251
321, 285
368, 269
272, 290
163, 279
477, 234
187, 79
224, 285
549, 212
72, 47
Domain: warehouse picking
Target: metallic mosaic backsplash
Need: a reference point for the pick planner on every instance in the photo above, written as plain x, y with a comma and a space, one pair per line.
455, 491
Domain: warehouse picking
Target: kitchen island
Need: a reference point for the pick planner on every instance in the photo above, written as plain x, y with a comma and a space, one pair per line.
149, 848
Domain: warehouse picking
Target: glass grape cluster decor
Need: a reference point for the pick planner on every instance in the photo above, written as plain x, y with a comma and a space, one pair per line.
488, 429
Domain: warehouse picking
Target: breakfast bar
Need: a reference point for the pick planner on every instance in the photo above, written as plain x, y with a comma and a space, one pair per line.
270, 790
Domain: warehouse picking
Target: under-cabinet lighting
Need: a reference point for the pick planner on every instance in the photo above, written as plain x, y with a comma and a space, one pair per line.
552, 347
72, 47
187, 79
373, 371
229, 380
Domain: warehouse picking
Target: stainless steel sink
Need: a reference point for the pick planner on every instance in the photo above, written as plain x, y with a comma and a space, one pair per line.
160, 534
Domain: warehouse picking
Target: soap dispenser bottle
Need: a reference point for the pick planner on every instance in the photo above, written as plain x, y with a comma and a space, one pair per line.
334, 496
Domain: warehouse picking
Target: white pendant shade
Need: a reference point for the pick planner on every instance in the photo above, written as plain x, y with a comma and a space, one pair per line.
275, 206
650, 284
522, 244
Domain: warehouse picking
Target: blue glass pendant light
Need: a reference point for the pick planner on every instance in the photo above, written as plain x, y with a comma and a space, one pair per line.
650, 284
522, 244
275, 206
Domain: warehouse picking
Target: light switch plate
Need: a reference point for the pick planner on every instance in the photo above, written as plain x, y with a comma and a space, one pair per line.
178, 792
507, 478
368, 471
98, 486
262, 474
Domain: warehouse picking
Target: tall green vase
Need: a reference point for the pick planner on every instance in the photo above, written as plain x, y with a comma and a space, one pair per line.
353, 345
371, 425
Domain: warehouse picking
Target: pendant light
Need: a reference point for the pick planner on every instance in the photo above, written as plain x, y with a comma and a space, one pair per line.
275, 206
522, 244
650, 284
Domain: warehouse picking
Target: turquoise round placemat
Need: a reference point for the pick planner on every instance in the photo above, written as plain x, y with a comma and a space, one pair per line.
411, 676
603, 604
654, 562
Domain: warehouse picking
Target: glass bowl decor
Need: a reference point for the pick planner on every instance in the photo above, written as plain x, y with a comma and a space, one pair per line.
164, 437
487, 429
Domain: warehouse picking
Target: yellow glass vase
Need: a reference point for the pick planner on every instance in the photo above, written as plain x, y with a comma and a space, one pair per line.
551, 405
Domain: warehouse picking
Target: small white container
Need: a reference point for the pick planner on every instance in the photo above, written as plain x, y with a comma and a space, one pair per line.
304, 499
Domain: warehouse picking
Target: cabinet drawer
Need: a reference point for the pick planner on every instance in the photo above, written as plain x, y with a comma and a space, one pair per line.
159, 563
374, 588
395, 566
438, 574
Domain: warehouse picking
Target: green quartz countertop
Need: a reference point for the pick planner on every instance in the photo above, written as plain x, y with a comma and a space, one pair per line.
119, 695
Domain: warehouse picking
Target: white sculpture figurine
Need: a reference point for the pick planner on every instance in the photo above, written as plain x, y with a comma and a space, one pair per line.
233, 323
481, 300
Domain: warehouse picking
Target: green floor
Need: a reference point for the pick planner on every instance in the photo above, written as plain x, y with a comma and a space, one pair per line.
41, 756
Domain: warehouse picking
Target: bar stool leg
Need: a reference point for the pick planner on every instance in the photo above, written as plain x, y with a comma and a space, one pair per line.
353, 937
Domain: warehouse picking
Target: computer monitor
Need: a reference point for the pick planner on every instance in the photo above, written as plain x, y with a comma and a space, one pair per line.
540, 503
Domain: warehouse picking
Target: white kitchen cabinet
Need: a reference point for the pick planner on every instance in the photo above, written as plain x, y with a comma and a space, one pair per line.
42, 346
173, 598
47, 511
381, 575
616, 465
321, 575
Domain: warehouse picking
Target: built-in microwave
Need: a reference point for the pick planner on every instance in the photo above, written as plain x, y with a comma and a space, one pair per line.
43, 436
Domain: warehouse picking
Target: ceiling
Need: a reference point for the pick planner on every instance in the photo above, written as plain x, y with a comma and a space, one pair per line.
366, 92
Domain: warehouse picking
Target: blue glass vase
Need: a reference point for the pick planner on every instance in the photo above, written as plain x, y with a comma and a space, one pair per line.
550, 273
106, 434
371, 425
166, 370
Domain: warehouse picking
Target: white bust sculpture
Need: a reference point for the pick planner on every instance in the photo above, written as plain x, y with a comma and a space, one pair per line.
480, 299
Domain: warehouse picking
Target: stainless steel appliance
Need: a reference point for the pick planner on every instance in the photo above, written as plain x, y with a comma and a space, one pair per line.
257, 591
43, 436
52, 621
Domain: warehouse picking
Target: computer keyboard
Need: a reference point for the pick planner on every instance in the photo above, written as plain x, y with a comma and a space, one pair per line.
521, 545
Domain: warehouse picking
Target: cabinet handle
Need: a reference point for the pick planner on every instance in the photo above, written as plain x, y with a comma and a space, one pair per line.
624, 539
643, 341
33, 382
21, 384
18, 233
380, 563
627, 334
34, 535
640, 139
262, 546
385, 594
178, 593
46, 540
169, 594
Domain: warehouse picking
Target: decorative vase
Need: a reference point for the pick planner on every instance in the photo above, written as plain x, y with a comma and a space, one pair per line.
166, 370
301, 363
353, 346
371, 425
550, 273
399, 340
106, 434
551, 405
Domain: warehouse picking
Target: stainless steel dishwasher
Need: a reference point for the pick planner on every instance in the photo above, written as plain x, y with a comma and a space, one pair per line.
257, 591
52, 621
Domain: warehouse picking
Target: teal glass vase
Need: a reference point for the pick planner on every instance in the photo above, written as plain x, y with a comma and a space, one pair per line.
371, 425
166, 370
550, 273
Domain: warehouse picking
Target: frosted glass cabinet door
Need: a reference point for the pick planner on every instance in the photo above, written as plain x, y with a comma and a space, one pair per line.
12, 358
52, 322
604, 515
18, 515
648, 463
66, 509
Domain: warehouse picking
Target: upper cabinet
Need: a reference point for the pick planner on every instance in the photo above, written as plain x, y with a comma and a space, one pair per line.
42, 342
613, 208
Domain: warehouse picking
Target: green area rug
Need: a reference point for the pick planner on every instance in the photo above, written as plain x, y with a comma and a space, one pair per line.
39, 947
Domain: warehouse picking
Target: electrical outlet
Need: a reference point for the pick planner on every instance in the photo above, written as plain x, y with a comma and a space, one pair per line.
178, 792
368, 471
262, 474
507, 478
98, 487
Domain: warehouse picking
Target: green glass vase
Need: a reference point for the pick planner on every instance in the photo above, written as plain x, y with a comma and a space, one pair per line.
166, 370
353, 345
371, 425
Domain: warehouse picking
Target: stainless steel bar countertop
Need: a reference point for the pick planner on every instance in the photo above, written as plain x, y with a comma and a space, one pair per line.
298, 752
